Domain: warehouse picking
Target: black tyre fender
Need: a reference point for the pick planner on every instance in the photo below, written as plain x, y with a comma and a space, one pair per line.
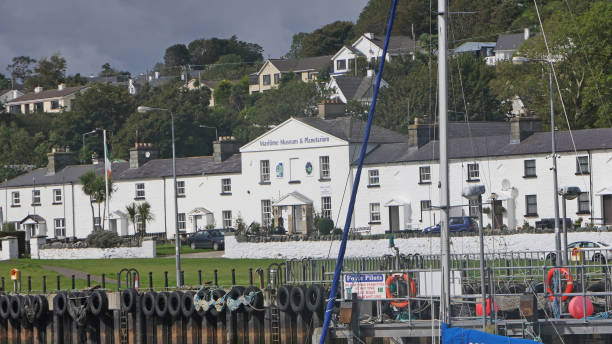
4, 307
174, 303
147, 303
60, 304
128, 299
297, 299
257, 301
314, 298
97, 303
161, 304
597, 287
16, 306
235, 293
41, 307
216, 295
187, 306
202, 296
283, 297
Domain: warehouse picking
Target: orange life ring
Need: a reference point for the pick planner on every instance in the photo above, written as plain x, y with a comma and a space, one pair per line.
390, 280
570, 282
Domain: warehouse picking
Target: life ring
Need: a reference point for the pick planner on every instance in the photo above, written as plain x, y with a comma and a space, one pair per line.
390, 280
570, 283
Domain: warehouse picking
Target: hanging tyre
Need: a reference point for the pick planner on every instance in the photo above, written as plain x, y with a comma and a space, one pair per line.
201, 294
4, 307
314, 298
41, 307
256, 300
128, 299
217, 296
297, 299
283, 297
233, 296
60, 303
174, 303
147, 303
187, 307
16, 306
97, 303
161, 305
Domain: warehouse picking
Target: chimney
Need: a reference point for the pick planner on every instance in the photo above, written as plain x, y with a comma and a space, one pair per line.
156, 75
224, 147
61, 86
142, 153
332, 108
526, 33
523, 127
95, 158
370, 73
38, 89
420, 133
369, 35
59, 158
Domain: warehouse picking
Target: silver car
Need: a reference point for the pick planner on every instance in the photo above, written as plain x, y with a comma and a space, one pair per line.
594, 251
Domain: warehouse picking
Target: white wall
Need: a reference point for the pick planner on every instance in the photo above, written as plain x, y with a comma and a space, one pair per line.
147, 250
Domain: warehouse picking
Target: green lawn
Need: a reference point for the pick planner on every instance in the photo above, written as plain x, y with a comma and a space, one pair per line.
167, 249
110, 267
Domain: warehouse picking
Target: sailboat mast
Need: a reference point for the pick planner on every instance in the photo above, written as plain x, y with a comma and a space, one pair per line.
445, 309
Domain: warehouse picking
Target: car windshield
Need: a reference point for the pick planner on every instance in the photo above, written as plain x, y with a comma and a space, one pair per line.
215, 232
456, 220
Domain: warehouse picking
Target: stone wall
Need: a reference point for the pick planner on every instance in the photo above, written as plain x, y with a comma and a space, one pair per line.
425, 245
147, 250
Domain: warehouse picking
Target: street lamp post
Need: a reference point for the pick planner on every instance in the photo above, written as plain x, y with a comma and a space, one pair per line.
83, 136
519, 60
177, 240
570, 192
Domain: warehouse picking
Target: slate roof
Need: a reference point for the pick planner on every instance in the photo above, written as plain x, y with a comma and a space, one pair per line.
497, 145
297, 65
355, 87
352, 130
156, 168
397, 44
47, 94
473, 46
510, 41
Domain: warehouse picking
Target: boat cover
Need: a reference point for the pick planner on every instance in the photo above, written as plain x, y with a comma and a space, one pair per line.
458, 335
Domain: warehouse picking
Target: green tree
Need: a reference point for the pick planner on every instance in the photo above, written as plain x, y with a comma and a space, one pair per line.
296, 45
89, 187
208, 51
49, 73
144, 215
5, 83
94, 186
375, 16
76, 80
223, 92
326, 40
21, 68
176, 55
132, 211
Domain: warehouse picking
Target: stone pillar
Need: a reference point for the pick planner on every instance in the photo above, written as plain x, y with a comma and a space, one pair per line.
149, 248
10, 248
36, 244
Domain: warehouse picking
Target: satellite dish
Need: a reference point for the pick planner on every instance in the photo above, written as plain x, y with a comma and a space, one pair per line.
148, 155
506, 184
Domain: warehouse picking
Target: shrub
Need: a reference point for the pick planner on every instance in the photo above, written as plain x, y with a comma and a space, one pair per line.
8, 227
254, 228
337, 231
103, 239
324, 226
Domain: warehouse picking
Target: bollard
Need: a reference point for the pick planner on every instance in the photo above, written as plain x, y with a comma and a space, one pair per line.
200, 277
182, 278
260, 272
150, 281
88, 281
216, 278
103, 281
58, 283
166, 280
233, 277
29, 284
44, 284
73, 282
251, 277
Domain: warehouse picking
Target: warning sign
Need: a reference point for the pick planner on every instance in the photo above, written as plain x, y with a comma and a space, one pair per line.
367, 286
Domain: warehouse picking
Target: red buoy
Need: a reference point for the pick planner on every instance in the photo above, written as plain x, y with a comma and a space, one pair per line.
576, 307
479, 307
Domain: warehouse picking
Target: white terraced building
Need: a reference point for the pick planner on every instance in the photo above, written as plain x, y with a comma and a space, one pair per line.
306, 166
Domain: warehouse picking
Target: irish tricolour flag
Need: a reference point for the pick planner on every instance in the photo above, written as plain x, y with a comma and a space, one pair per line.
107, 162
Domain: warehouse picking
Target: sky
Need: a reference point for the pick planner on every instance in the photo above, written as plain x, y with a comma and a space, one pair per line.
133, 34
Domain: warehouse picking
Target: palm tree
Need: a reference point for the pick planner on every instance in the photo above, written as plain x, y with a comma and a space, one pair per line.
132, 211
95, 187
88, 181
144, 215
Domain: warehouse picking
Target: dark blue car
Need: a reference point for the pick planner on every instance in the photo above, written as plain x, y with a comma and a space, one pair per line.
455, 224
209, 238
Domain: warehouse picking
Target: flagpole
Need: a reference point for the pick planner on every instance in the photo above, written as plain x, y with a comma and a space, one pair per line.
106, 177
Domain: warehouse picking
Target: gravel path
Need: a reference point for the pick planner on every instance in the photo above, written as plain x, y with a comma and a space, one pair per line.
78, 274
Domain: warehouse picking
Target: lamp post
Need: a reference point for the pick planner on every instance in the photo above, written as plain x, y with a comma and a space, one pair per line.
177, 240
83, 136
474, 193
569, 192
520, 60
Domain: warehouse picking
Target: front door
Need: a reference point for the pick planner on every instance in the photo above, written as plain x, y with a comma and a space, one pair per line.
197, 222
607, 209
113, 225
297, 219
499, 213
394, 218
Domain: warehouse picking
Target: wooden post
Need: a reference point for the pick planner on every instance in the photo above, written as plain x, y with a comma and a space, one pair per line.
103, 319
189, 330
75, 332
207, 329
221, 335
177, 330
116, 326
254, 328
285, 327
267, 325
231, 327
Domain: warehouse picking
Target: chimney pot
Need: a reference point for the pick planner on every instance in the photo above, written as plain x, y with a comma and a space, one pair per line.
38, 89
61, 86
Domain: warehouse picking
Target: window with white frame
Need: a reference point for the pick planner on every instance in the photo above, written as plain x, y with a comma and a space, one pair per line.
582, 165
35, 197
140, 225
425, 205
266, 213
57, 196
227, 219
374, 212
277, 78
473, 172
531, 205
326, 207
140, 190
373, 178
180, 188
16, 200
324, 167
425, 174
264, 171
266, 79
340, 64
226, 186
530, 168
473, 207
182, 221
60, 228
584, 203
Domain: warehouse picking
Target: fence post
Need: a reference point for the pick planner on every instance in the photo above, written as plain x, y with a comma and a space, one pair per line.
103, 281
182, 277
29, 284
250, 276
88, 280
216, 278
200, 277
150, 280
58, 283
233, 277
166, 280
73, 282
44, 284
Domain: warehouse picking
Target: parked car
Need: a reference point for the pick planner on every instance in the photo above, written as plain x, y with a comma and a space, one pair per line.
455, 224
208, 238
587, 250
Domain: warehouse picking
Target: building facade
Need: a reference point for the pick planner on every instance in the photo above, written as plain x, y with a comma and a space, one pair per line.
51, 101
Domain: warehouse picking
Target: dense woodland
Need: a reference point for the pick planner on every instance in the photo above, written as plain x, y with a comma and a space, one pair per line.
580, 32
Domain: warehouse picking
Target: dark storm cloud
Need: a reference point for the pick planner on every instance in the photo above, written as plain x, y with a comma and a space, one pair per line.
133, 34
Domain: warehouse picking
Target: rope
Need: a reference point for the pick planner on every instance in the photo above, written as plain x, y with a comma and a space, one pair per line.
29, 311
77, 312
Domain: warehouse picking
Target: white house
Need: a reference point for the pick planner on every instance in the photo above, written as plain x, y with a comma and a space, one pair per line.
8, 95
508, 44
52, 101
371, 47
346, 87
